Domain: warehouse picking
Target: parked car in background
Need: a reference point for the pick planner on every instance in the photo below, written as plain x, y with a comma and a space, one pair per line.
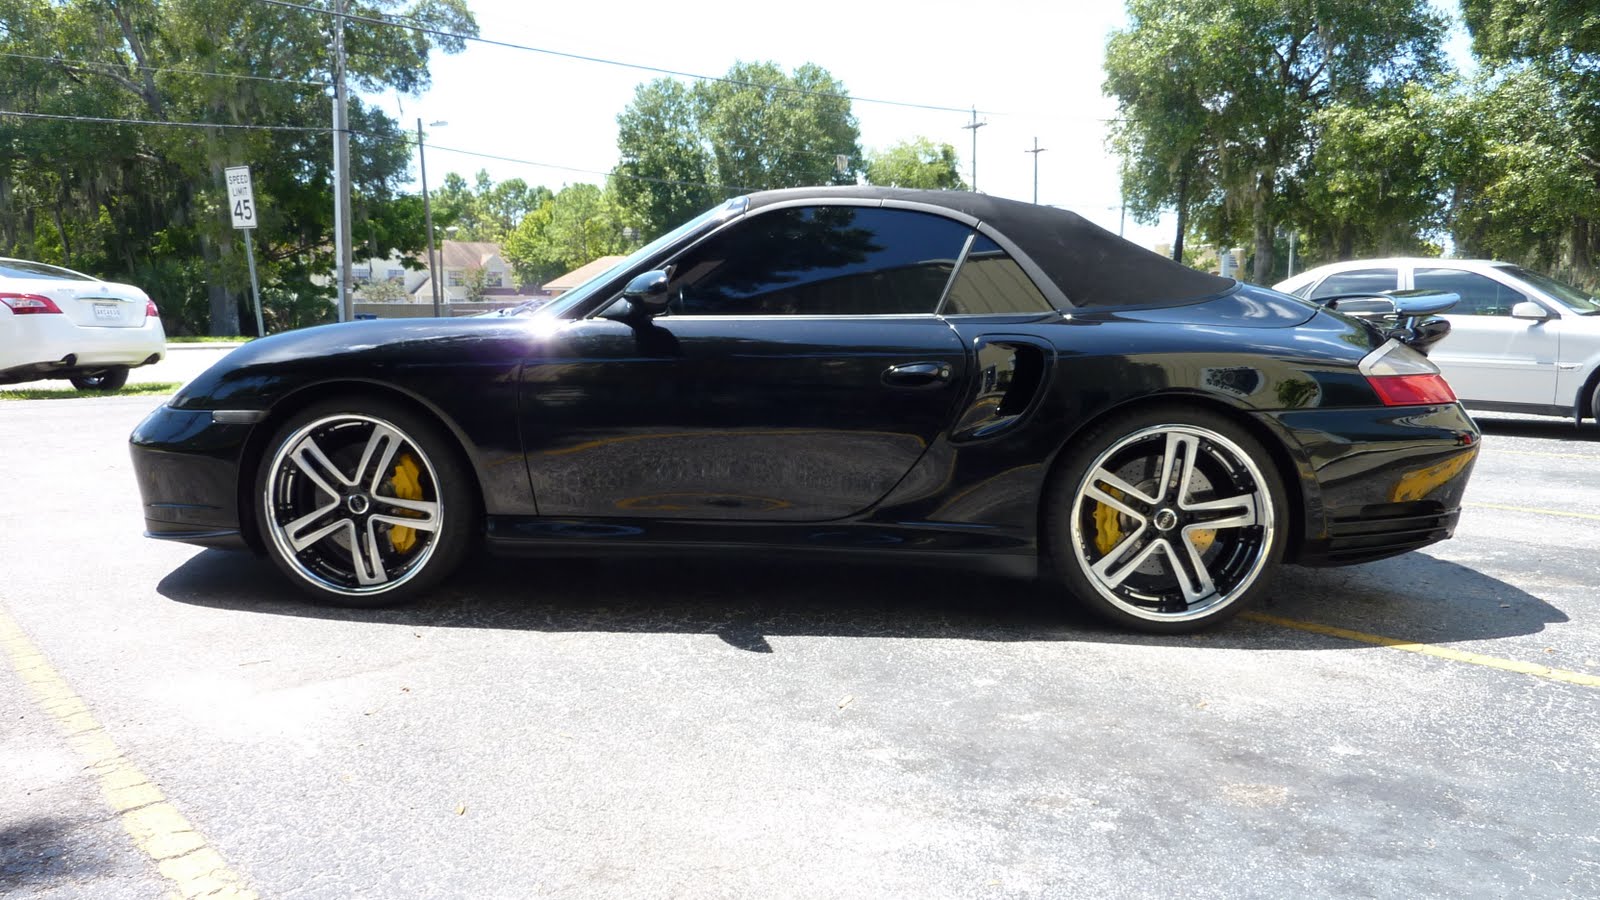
1519, 341
57, 323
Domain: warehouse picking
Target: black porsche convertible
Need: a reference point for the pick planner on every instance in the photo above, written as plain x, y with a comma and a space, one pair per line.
926, 377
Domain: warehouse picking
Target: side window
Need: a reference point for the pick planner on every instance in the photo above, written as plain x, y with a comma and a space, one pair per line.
821, 261
1357, 281
1480, 296
990, 281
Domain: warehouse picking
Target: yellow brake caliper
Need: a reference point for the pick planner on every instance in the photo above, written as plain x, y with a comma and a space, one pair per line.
1108, 529
407, 486
1107, 524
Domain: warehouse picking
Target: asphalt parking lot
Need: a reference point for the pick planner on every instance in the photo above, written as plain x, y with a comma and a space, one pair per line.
178, 721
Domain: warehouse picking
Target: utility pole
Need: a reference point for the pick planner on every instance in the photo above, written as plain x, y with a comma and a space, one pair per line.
974, 128
427, 217
341, 169
1036, 151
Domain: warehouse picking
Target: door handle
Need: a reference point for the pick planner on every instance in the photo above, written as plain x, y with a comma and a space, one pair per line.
917, 375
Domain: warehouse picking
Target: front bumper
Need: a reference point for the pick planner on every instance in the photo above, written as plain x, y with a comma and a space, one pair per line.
187, 466
1381, 481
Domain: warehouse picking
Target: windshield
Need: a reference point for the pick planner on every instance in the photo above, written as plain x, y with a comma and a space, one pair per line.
1583, 302
584, 291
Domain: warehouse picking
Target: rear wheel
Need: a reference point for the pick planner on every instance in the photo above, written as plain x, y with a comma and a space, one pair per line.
364, 502
1167, 519
108, 380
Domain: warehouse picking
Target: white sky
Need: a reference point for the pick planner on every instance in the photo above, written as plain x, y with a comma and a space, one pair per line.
1035, 67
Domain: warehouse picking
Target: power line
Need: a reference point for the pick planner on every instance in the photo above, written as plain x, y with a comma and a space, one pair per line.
106, 120
436, 32
89, 63
611, 174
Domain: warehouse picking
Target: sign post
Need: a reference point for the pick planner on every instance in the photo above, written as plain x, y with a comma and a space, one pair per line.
242, 206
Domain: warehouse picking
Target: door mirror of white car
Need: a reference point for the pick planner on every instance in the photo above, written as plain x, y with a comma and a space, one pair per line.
1528, 309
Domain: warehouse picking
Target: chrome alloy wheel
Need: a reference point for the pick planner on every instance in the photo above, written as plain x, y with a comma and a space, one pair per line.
1172, 523
352, 505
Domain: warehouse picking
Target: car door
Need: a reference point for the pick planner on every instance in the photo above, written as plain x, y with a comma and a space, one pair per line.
1490, 357
798, 374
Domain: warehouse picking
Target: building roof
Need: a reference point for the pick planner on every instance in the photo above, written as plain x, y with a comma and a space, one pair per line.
581, 274
467, 254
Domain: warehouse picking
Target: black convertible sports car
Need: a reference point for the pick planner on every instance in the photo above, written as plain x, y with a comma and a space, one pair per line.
928, 376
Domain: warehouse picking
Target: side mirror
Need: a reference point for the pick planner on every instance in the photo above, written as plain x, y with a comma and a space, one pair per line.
1528, 309
647, 293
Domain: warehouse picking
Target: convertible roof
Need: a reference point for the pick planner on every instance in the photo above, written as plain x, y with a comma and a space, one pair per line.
1092, 266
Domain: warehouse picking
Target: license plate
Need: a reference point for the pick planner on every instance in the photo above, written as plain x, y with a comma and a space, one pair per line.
104, 312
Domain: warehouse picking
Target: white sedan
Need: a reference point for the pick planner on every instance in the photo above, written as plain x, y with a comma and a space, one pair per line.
1519, 341
57, 323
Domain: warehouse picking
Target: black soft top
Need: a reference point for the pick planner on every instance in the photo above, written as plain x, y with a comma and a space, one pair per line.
1091, 266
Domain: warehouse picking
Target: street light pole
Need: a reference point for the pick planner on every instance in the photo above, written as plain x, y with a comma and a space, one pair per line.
427, 217
341, 170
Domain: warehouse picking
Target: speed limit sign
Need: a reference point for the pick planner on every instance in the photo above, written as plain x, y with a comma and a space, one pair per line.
241, 199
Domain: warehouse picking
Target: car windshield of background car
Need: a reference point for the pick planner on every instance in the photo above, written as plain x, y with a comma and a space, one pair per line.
1582, 302
583, 291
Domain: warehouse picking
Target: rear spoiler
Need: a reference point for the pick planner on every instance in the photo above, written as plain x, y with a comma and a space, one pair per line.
1405, 316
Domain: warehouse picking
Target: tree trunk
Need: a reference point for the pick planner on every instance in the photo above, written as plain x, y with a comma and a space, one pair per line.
1261, 273
1183, 216
224, 309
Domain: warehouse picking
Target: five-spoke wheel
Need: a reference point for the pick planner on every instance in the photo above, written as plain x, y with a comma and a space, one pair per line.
363, 503
1167, 519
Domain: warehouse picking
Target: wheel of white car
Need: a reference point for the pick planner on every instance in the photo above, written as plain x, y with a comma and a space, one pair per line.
107, 380
364, 502
1166, 519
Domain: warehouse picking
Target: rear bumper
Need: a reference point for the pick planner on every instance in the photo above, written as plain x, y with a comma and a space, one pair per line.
187, 468
1378, 481
54, 347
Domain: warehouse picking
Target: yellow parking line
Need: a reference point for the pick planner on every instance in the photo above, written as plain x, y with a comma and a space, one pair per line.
1477, 659
180, 853
1535, 509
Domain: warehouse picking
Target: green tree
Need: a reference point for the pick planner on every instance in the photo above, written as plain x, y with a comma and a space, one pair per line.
579, 224
917, 163
1218, 99
665, 169
1545, 61
126, 200
756, 129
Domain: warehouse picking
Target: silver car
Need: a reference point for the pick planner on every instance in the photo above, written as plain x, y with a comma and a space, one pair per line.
1519, 341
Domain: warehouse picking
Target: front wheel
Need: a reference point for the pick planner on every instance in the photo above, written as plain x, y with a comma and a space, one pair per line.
107, 380
364, 502
1166, 520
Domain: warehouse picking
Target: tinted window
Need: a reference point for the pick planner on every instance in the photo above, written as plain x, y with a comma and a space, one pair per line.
821, 261
1582, 301
990, 281
1357, 281
16, 268
1480, 296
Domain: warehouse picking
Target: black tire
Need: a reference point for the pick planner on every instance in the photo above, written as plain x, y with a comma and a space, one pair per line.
363, 502
107, 380
1119, 533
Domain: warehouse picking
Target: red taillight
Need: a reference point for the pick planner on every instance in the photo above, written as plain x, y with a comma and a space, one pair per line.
150, 311
1412, 390
29, 304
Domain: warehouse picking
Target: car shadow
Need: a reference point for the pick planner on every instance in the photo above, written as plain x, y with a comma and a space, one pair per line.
744, 601
1552, 428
